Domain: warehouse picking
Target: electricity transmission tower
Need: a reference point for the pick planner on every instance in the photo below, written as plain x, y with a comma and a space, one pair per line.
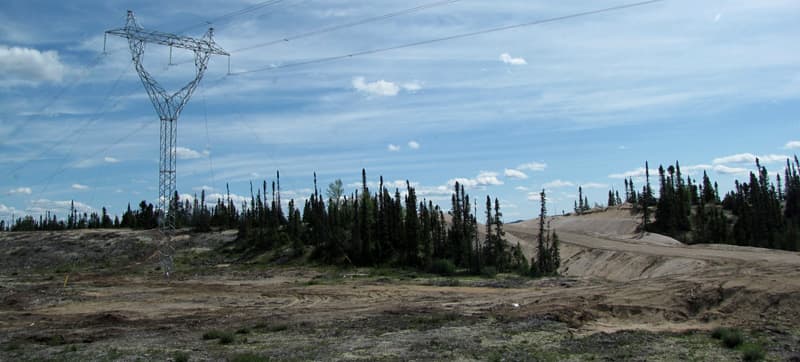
168, 106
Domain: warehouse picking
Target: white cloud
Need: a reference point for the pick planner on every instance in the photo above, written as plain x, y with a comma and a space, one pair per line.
730, 170
508, 59
594, 185
484, 178
691, 169
237, 199
749, 158
41, 206
791, 145
29, 66
435, 193
412, 86
639, 172
488, 178
184, 197
400, 184
378, 88
204, 187
110, 159
534, 196
7, 210
20, 190
393, 147
414, 145
509, 172
184, 153
557, 184
532, 166
80, 187
521, 188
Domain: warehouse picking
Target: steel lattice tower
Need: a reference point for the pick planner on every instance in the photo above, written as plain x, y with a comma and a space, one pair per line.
168, 106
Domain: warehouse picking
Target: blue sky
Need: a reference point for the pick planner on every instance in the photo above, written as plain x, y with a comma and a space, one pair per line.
583, 101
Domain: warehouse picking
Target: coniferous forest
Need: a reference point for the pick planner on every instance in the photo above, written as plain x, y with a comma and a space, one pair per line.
761, 211
394, 227
364, 228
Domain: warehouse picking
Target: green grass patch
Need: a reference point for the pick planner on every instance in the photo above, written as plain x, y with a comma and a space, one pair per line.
730, 337
489, 272
180, 356
733, 339
443, 267
719, 332
752, 352
227, 338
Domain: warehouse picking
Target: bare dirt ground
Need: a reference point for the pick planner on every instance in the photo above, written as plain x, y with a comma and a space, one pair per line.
98, 295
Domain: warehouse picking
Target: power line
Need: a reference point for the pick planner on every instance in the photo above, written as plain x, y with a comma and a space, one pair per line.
63, 90
233, 14
347, 25
208, 140
49, 179
452, 37
75, 132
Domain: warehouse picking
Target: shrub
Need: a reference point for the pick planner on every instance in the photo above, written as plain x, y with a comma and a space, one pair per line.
243, 330
213, 334
180, 356
227, 338
443, 267
733, 338
719, 332
752, 352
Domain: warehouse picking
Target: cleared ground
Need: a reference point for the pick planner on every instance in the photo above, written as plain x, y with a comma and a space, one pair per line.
98, 295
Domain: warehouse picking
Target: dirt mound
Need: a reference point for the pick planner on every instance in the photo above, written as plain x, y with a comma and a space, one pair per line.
623, 266
605, 244
71, 249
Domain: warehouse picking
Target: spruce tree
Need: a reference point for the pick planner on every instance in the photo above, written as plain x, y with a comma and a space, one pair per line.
501, 254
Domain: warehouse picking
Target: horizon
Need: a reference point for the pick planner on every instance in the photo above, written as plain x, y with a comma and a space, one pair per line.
579, 102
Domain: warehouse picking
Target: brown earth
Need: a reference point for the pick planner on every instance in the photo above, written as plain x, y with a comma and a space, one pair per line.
98, 295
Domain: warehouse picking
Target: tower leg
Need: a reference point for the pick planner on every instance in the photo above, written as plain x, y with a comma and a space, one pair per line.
166, 190
166, 174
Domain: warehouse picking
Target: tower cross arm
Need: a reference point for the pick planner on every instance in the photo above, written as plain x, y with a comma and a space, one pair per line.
205, 45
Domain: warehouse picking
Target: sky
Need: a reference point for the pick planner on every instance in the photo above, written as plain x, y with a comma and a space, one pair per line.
582, 101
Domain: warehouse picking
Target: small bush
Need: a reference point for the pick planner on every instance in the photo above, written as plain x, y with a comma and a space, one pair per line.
278, 327
227, 338
733, 338
213, 334
243, 330
752, 352
719, 332
180, 357
443, 267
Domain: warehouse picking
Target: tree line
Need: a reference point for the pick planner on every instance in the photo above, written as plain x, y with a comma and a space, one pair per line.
363, 228
758, 212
